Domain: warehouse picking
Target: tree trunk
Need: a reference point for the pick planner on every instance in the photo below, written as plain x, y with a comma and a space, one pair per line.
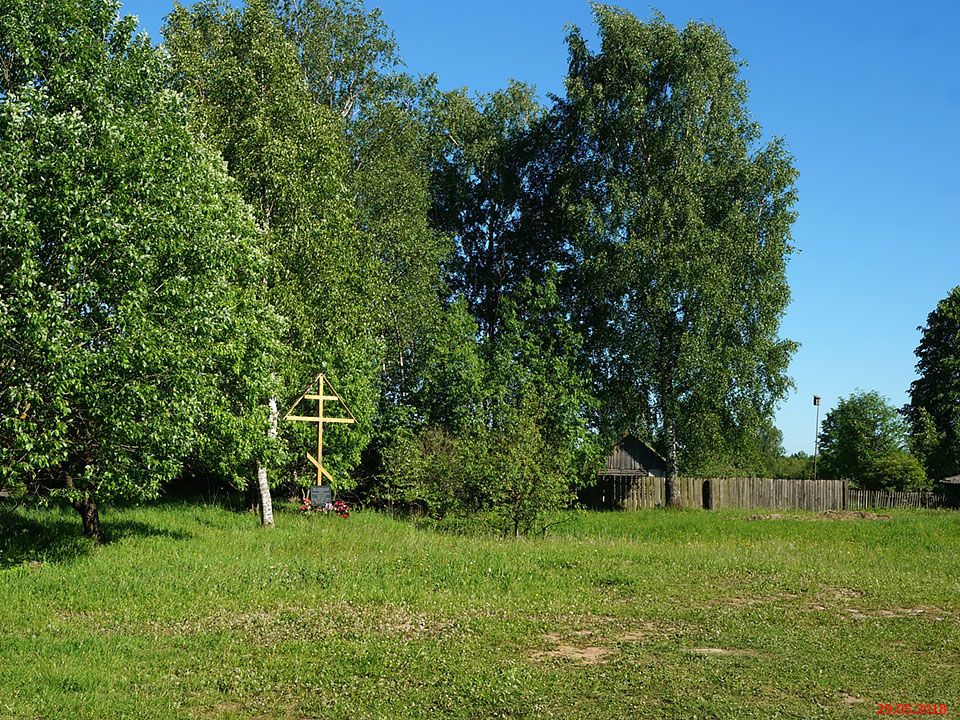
403, 371
669, 417
86, 505
266, 500
670, 482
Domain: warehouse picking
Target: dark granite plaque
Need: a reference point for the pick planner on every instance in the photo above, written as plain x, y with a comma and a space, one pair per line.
320, 495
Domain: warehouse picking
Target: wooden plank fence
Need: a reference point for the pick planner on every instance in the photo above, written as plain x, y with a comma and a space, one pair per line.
633, 492
776, 494
881, 499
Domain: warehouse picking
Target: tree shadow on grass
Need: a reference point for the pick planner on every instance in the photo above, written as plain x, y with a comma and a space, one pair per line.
117, 530
26, 537
197, 489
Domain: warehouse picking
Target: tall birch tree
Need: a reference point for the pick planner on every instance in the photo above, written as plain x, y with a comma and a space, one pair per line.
289, 156
681, 215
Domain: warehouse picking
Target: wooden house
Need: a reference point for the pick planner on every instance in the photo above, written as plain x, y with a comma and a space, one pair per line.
632, 456
629, 460
949, 488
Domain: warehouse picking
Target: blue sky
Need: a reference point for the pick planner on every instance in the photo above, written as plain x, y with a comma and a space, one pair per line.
867, 96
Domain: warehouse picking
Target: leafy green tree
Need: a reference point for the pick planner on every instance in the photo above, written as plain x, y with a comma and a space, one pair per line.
432, 471
529, 477
437, 422
682, 217
934, 409
352, 66
450, 374
897, 470
289, 156
864, 439
536, 358
723, 447
503, 422
539, 444
482, 196
349, 56
438, 381
798, 466
126, 258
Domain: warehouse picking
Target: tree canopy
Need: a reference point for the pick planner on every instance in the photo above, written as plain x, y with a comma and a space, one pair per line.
127, 264
681, 218
482, 195
934, 409
864, 439
289, 156
497, 284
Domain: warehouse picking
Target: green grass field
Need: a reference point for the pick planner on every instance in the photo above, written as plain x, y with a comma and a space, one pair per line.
195, 612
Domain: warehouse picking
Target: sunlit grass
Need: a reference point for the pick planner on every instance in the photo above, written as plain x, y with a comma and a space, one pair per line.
195, 612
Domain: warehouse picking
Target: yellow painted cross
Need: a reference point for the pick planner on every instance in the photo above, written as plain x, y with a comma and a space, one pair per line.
321, 383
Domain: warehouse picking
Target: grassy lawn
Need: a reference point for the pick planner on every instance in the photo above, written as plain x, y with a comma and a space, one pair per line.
195, 612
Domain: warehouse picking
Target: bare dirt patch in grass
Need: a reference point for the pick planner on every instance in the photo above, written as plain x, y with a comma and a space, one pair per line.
844, 602
852, 515
830, 597
840, 593
605, 628
848, 699
924, 612
853, 614
588, 655
825, 515
570, 643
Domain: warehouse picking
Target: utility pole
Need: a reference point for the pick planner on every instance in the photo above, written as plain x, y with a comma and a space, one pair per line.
816, 436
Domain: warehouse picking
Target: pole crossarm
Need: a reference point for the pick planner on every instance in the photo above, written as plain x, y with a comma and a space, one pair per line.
316, 392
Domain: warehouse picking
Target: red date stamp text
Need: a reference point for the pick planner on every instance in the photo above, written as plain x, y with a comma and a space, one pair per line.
911, 709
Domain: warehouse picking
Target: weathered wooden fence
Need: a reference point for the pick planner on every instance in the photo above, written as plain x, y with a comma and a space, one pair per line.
881, 499
776, 494
632, 492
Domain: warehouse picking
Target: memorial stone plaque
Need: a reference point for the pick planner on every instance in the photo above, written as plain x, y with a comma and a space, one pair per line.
320, 495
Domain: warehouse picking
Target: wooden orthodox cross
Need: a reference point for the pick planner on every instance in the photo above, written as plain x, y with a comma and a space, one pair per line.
321, 383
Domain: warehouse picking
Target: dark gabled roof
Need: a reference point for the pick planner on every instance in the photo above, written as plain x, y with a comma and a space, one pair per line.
632, 455
649, 448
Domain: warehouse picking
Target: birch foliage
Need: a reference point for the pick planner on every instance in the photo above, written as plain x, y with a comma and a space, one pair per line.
681, 213
288, 155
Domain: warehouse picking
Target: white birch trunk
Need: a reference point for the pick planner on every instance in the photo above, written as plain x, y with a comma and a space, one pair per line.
266, 500
672, 491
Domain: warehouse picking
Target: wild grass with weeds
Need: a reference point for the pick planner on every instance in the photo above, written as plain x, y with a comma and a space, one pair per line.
193, 611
